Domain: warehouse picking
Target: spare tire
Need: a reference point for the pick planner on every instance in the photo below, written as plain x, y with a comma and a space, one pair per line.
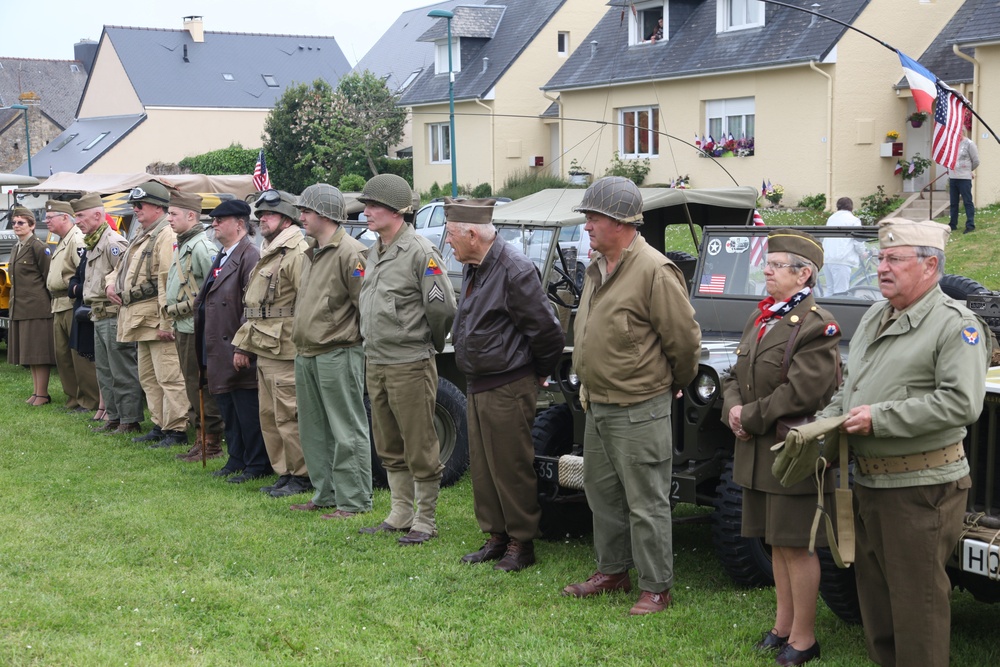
959, 287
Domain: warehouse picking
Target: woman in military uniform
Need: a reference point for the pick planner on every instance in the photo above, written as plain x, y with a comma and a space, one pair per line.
787, 366
30, 341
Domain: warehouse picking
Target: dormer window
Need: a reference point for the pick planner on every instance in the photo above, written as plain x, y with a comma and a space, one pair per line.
409, 79
649, 23
270, 80
441, 55
738, 14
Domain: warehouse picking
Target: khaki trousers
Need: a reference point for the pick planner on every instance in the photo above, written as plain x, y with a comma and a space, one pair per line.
188, 356
77, 374
501, 459
279, 420
161, 380
904, 538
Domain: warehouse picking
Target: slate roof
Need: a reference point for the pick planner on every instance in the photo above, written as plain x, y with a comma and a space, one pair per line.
69, 153
939, 58
397, 54
58, 84
983, 23
521, 22
154, 62
694, 48
479, 22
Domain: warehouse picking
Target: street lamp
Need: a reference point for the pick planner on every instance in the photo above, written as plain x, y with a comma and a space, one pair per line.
443, 14
27, 134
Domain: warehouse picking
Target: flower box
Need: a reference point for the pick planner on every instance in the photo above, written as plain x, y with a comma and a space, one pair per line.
893, 149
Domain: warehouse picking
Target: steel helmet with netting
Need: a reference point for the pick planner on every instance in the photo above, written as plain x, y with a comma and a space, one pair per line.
325, 200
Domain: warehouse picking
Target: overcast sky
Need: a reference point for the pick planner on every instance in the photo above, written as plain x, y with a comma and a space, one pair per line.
49, 28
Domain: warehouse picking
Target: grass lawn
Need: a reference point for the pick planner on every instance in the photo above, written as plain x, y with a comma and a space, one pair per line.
115, 554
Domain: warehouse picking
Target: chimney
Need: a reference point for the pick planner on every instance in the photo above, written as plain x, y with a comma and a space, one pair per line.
195, 26
593, 48
486, 63
85, 51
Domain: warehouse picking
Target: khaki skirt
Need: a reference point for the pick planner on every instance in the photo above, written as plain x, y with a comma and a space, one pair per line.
29, 343
783, 520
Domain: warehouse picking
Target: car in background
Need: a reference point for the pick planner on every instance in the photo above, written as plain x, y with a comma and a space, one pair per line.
429, 220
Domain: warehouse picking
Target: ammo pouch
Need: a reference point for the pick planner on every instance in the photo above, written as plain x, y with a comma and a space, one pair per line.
82, 314
100, 310
180, 310
141, 292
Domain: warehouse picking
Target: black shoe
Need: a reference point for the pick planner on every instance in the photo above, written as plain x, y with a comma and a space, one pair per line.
295, 486
155, 435
771, 642
969, 230
247, 476
224, 472
171, 439
792, 656
282, 481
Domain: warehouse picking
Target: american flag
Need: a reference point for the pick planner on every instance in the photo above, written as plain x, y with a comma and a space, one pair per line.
758, 246
712, 284
947, 126
261, 179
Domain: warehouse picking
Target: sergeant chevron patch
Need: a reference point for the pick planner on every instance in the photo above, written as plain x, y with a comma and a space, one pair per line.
435, 293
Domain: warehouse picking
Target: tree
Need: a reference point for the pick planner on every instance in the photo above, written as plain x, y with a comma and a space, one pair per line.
315, 134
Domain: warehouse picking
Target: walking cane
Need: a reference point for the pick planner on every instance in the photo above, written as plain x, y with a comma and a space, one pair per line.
201, 425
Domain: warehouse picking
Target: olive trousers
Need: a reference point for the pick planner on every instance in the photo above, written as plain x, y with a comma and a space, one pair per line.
626, 474
279, 420
117, 373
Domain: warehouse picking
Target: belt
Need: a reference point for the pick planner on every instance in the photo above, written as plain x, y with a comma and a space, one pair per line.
58, 294
266, 312
911, 462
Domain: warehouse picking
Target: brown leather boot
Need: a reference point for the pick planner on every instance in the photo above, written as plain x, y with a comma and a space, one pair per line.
494, 549
193, 454
519, 556
600, 583
212, 446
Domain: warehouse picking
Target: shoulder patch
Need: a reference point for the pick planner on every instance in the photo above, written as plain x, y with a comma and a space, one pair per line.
433, 269
211, 258
831, 329
80, 250
359, 271
970, 335
48, 251
115, 250
435, 293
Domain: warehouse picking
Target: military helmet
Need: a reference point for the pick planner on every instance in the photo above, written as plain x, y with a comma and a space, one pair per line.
613, 196
278, 201
325, 200
390, 191
150, 192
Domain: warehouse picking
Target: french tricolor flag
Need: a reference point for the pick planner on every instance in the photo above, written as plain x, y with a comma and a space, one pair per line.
921, 82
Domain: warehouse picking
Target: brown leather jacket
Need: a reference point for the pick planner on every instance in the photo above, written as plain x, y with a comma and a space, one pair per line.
505, 328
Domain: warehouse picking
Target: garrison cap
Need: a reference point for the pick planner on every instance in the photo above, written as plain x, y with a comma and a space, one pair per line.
150, 192
186, 200
928, 233
615, 197
473, 211
87, 202
57, 206
231, 207
800, 243
22, 212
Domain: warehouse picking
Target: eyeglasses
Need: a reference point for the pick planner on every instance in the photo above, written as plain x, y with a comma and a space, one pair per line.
20, 222
774, 266
896, 260
268, 197
53, 218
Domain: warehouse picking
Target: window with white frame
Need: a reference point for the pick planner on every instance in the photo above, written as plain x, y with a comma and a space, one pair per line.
441, 56
730, 117
645, 22
738, 14
639, 132
562, 44
440, 143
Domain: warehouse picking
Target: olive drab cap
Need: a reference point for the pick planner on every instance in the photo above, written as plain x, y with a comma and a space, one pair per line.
800, 243
613, 196
472, 211
87, 202
186, 200
325, 200
22, 212
390, 191
278, 201
150, 192
57, 206
898, 232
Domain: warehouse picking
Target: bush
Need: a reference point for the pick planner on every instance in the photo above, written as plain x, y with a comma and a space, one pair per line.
400, 166
351, 183
524, 183
233, 160
876, 206
815, 202
634, 170
482, 190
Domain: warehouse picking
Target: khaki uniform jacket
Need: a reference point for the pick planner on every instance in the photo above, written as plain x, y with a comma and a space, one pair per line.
407, 302
101, 263
148, 257
755, 383
326, 309
65, 259
270, 298
924, 378
635, 335
29, 267
194, 255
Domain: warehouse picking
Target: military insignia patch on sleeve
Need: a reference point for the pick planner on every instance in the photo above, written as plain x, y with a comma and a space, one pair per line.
80, 251
433, 269
970, 335
48, 251
116, 251
831, 329
435, 293
359, 271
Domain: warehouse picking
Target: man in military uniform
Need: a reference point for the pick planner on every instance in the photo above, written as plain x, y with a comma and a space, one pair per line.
76, 373
267, 336
139, 288
192, 260
636, 344
329, 361
218, 316
501, 300
915, 378
407, 307
116, 363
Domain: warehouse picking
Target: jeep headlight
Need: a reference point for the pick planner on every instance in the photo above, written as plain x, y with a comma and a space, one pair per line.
706, 387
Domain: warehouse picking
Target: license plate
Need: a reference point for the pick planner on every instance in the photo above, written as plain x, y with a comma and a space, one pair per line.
547, 468
4, 323
981, 558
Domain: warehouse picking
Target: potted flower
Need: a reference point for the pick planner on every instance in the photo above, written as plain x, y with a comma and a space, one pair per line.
774, 193
891, 136
913, 167
917, 118
577, 174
